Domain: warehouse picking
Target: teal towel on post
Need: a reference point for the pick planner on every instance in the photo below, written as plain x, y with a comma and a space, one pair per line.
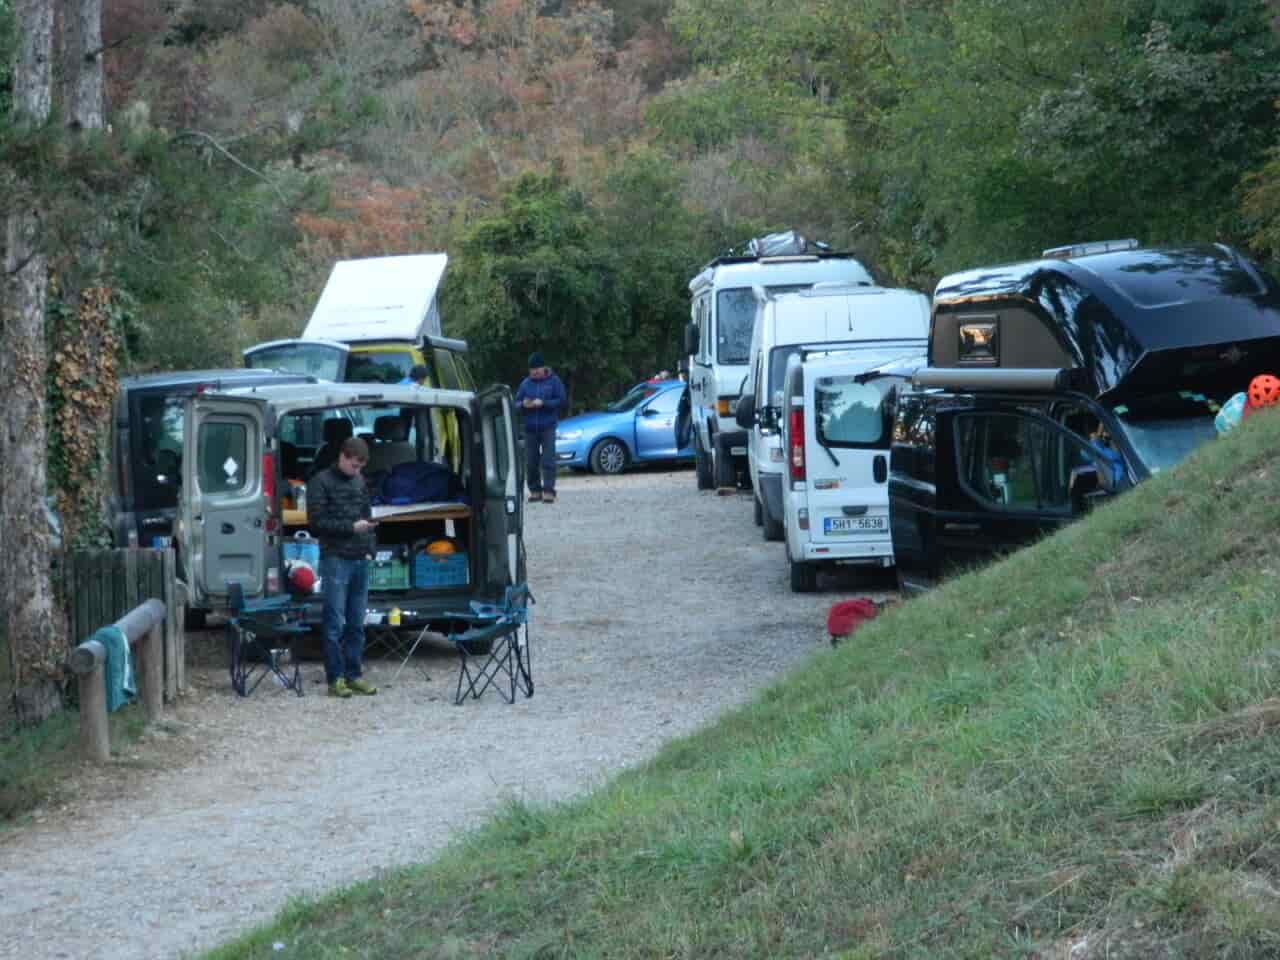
119, 667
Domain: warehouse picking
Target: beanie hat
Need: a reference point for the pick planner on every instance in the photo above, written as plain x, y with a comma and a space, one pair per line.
535, 360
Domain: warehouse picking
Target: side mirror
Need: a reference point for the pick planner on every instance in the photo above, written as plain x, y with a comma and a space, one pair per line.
648, 412
691, 339
746, 411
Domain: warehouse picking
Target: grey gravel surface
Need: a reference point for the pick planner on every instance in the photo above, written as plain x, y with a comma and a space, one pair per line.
658, 607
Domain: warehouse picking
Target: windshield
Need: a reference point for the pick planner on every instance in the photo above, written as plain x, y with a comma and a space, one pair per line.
852, 414
1165, 428
736, 319
315, 359
632, 398
391, 366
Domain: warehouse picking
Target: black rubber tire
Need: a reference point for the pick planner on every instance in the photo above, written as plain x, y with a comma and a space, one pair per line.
804, 577
702, 465
609, 456
757, 512
194, 619
772, 529
723, 469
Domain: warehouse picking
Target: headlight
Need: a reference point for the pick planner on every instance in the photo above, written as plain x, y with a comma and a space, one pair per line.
568, 434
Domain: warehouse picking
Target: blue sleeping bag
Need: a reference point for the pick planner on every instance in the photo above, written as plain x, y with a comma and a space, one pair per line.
419, 483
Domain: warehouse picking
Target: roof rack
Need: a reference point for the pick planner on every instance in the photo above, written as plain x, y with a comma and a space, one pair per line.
1086, 249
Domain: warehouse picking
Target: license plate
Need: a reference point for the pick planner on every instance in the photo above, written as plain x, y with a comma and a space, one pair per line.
855, 524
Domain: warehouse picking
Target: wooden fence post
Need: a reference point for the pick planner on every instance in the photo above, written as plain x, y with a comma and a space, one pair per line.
95, 739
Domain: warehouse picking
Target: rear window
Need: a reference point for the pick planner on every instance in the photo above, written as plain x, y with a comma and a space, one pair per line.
317, 360
391, 366
852, 414
157, 451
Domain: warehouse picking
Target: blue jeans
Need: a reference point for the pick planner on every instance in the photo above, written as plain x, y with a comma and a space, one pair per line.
540, 460
344, 584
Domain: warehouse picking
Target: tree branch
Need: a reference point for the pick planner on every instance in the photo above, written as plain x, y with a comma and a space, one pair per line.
201, 135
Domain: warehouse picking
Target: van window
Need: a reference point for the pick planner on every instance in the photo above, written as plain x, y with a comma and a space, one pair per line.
852, 414
224, 457
736, 319
1166, 428
446, 372
1016, 463
382, 367
158, 451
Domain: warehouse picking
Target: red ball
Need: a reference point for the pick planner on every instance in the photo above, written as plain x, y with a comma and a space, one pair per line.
1264, 391
302, 579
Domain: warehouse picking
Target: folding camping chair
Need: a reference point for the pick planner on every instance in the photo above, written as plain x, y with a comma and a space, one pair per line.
398, 644
500, 634
260, 639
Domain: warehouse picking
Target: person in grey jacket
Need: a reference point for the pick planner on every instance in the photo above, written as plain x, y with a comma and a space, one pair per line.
539, 398
340, 517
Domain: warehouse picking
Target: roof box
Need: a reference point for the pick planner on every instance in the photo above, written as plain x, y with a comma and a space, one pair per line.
380, 298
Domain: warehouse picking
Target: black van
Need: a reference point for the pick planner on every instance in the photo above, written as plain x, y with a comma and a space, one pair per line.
1056, 382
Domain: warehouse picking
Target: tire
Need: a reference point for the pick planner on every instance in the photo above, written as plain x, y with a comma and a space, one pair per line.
757, 512
194, 619
804, 577
773, 529
702, 465
608, 457
723, 471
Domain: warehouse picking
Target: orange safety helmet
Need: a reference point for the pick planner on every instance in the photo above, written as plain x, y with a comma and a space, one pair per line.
441, 547
1264, 391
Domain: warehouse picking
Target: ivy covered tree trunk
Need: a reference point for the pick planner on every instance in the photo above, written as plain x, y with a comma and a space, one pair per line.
84, 373
27, 601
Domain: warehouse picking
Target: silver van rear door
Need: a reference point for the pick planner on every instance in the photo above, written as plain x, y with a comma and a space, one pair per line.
503, 520
224, 509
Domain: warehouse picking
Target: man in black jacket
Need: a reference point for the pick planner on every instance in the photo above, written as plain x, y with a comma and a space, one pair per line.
339, 515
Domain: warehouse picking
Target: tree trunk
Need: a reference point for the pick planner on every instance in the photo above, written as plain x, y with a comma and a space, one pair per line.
84, 348
35, 645
84, 92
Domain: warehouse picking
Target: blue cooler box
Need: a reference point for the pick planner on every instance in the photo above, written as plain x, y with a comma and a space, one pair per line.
303, 548
439, 570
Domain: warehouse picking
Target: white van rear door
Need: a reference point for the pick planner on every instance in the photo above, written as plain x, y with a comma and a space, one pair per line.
224, 510
847, 436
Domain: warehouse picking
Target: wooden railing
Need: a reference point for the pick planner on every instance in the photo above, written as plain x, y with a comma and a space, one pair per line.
143, 631
103, 586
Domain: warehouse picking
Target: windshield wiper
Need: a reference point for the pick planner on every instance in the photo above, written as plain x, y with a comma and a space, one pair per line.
823, 444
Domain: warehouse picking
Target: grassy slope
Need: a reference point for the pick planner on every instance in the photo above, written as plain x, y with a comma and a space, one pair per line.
1074, 742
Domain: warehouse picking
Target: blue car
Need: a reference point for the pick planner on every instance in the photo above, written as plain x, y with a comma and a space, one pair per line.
639, 428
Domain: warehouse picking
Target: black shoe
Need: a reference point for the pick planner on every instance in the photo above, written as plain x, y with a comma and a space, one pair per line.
535, 496
548, 498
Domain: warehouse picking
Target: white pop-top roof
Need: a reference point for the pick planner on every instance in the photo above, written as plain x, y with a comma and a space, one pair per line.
380, 298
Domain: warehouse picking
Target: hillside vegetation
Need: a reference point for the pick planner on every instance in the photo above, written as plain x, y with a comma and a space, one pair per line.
1070, 753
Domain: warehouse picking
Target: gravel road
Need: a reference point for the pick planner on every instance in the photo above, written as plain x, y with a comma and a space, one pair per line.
658, 607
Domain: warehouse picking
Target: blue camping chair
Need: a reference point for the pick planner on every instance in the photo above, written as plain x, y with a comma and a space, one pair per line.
498, 632
261, 638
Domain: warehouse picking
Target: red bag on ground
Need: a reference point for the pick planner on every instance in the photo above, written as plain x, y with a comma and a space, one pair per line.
847, 615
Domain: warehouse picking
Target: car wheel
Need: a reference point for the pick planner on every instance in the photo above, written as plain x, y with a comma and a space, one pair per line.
702, 464
609, 456
757, 511
725, 474
772, 528
193, 619
804, 577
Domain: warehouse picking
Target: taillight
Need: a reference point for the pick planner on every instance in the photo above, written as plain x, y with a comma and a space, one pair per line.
269, 489
795, 455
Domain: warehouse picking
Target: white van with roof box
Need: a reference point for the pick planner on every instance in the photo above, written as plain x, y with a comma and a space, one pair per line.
836, 436
826, 316
718, 342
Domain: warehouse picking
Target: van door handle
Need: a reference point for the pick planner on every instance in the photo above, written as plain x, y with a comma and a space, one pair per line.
962, 527
227, 528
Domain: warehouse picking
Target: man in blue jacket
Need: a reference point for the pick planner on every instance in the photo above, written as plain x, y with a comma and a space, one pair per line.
540, 397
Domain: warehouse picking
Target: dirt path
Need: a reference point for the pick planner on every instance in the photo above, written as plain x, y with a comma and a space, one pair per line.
232, 806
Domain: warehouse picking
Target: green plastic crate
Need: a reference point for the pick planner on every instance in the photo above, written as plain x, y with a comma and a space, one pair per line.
390, 575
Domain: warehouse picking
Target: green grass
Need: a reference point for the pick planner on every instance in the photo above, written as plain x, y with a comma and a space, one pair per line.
36, 763
1079, 741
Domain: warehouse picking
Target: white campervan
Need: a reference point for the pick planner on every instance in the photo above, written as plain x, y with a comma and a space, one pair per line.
836, 433
718, 341
829, 316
